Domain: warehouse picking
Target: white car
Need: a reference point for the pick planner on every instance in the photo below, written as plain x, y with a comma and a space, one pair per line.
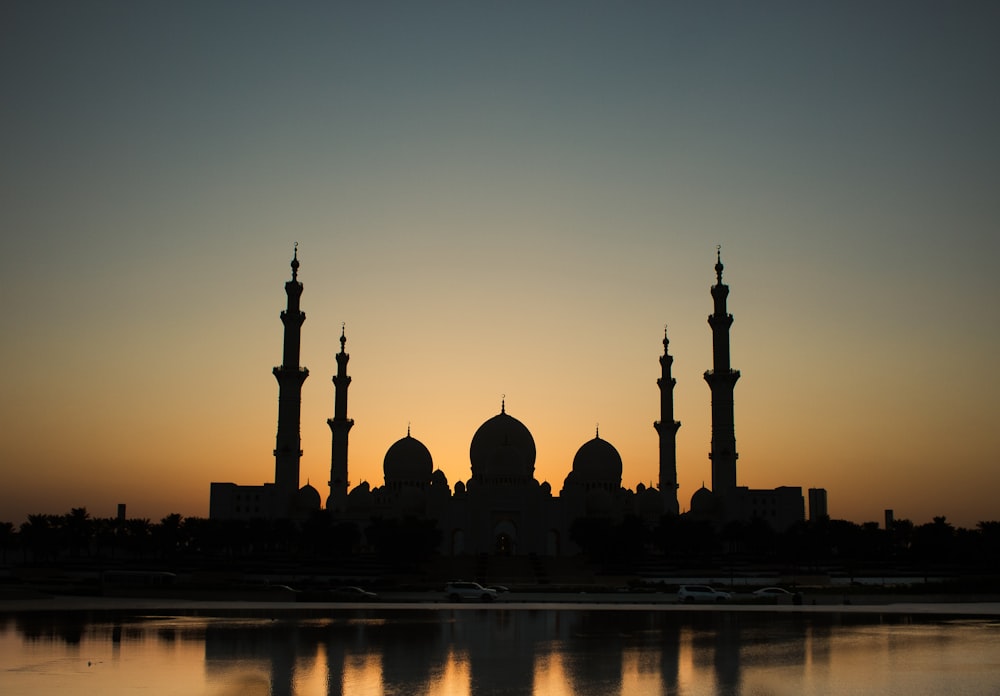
701, 593
460, 590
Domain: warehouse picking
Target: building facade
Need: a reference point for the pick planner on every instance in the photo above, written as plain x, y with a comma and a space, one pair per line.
502, 508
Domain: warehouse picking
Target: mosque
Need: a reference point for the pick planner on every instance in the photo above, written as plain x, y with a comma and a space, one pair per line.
503, 508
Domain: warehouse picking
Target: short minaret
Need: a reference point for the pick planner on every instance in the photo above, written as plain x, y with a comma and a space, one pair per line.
340, 426
667, 427
290, 376
722, 380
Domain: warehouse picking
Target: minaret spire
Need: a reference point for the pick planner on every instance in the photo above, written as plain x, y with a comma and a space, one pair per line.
340, 426
290, 376
722, 381
667, 427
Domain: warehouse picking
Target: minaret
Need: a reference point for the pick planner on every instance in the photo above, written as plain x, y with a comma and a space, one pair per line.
290, 376
722, 380
340, 426
667, 427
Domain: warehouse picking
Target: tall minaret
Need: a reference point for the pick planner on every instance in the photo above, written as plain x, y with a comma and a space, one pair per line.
340, 426
667, 427
290, 376
722, 380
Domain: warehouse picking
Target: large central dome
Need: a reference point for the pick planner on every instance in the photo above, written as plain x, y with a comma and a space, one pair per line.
408, 460
501, 431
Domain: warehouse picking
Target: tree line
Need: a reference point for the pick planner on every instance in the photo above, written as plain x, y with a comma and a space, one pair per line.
813, 544
45, 539
625, 543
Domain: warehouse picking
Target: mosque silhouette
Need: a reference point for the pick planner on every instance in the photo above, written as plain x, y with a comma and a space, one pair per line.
503, 508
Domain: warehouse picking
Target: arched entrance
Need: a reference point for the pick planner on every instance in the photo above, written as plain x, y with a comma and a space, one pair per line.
505, 538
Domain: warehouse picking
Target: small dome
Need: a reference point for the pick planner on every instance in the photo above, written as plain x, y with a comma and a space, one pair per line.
407, 460
597, 460
307, 498
360, 498
499, 431
703, 501
650, 501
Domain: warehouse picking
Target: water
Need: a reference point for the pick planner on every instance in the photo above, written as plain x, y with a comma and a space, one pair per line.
473, 651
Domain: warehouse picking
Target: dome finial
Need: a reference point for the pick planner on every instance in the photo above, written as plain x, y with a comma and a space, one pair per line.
718, 263
666, 341
503, 403
597, 431
295, 261
343, 337
407, 428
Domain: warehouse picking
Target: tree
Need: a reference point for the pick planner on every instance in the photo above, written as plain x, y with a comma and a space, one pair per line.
137, 533
681, 537
933, 542
79, 530
6, 538
169, 535
40, 535
595, 537
402, 542
989, 540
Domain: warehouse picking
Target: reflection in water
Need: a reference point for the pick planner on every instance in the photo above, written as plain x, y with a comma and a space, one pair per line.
437, 652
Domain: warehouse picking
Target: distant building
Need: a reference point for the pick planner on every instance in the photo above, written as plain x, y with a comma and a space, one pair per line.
817, 504
502, 508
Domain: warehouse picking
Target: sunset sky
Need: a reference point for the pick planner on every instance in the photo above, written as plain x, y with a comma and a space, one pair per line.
500, 200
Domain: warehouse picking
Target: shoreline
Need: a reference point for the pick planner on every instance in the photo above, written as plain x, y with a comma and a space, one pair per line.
12, 604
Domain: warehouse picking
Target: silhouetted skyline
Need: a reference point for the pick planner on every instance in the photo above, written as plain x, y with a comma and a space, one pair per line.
508, 200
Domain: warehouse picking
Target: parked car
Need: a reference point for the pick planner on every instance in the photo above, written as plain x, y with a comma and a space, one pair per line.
701, 593
460, 590
772, 592
351, 593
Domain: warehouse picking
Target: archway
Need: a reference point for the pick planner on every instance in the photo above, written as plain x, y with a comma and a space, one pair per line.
505, 538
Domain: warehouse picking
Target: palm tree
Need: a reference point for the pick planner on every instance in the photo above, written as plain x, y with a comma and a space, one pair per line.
79, 530
169, 534
137, 534
6, 537
40, 535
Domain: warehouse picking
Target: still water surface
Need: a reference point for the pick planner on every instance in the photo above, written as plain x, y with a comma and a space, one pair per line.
471, 651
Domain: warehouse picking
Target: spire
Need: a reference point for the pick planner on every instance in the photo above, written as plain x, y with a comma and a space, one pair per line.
503, 400
721, 380
597, 431
340, 426
666, 428
290, 376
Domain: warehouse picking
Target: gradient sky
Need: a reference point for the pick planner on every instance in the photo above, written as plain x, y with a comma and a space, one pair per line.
499, 198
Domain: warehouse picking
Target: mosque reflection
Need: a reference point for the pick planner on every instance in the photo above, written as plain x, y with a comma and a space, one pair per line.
471, 651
